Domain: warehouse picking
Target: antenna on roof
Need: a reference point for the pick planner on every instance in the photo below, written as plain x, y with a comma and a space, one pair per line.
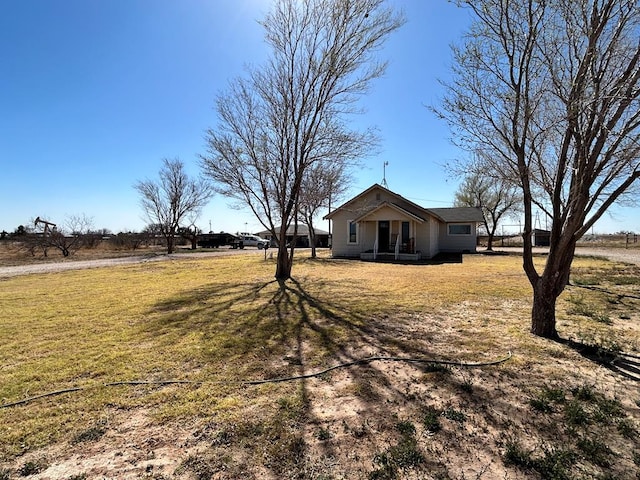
384, 175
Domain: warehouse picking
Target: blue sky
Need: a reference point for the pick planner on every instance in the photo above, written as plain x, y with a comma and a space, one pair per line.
95, 93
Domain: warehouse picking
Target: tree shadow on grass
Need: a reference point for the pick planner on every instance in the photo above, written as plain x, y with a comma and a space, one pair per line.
273, 329
619, 296
274, 313
614, 359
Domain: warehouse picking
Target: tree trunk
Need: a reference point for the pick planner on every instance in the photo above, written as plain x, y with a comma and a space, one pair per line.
548, 287
312, 239
284, 261
490, 242
170, 242
283, 264
491, 233
543, 313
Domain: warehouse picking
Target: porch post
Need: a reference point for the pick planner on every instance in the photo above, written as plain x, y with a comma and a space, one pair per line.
397, 246
375, 242
413, 234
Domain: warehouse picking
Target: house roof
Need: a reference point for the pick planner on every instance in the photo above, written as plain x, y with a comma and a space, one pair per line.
446, 215
458, 214
400, 199
393, 206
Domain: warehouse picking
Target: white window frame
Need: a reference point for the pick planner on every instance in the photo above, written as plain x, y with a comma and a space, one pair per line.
449, 225
349, 223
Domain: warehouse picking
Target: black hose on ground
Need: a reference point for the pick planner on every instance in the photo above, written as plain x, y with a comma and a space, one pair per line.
362, 361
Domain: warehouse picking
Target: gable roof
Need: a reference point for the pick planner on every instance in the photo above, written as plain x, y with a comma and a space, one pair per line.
375, 186
458, 214
445, 215
393, 206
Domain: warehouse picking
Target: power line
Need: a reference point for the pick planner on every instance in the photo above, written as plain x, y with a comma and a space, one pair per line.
428, 200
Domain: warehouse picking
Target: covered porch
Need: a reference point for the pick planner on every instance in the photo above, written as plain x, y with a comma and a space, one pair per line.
389, 233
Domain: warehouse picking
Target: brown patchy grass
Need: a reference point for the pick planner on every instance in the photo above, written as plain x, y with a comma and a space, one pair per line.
220, 320
14, 253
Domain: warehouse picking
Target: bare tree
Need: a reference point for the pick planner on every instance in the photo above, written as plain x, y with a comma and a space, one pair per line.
552, 86
191, 232
128, 240
497, 197
172, 198
289, 115
321, 185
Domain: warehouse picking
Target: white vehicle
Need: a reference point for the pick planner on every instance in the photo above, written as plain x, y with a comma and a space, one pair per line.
250, 240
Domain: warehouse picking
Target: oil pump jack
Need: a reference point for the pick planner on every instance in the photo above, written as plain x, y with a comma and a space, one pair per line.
49, 227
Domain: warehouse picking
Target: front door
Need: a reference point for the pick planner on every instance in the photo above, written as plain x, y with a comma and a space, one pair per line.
383, 236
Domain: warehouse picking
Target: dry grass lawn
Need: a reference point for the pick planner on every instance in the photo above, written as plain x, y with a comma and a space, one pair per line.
553, 410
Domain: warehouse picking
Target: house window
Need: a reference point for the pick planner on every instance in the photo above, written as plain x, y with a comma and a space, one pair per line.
353, 232
460, 229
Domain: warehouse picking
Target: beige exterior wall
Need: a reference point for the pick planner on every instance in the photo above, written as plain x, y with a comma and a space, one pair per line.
422, 238
457, 243
340, 245
434, 234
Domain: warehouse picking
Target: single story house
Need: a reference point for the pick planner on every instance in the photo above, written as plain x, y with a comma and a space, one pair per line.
379, 224
322, 236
